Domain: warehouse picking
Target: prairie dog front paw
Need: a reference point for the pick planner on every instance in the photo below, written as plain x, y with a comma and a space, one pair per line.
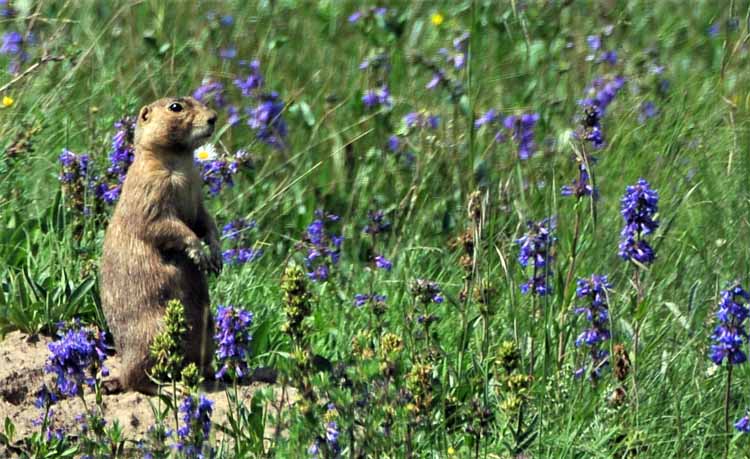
198, 255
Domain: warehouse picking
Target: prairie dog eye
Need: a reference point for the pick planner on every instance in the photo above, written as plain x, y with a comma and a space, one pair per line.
175, 107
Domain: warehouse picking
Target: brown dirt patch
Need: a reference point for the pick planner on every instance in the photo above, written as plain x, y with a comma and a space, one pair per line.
22, 361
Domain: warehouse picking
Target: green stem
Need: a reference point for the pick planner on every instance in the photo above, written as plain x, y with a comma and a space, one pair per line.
727, 396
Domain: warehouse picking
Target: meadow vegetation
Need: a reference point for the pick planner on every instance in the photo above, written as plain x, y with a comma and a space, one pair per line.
454, 228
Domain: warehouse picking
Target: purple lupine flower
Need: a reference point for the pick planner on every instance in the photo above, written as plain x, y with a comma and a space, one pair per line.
394, 143
75, 167
596, 310
234, 115
227, 20
609, 57
743, 424
233, 340
520, 128
594, 42
438, 77
647, 110
535, 250
121, 156
731, 333
252, 82
217, 174
6, 10
361, 299
210, 91
196, 426
638, 207
12, 43
491, 116
426, 291
234, 229
713, 30
228, 53
238, 233
382, 262
421, 119
45, 397
266, 118
581, 186
332, 437
377, 97
322, 248
75, 358
377, 223
600, 94
522, 131
367, 13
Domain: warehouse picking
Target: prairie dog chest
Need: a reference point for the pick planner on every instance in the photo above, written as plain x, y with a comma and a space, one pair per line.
184, 184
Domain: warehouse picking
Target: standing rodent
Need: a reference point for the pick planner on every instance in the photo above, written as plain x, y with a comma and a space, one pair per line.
152, 249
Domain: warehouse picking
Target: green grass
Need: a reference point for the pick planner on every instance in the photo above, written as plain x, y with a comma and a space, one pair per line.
120, 56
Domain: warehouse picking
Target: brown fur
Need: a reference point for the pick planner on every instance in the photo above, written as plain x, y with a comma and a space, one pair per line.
152, 248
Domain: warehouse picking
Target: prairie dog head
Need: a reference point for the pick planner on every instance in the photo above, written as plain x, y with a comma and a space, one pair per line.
174, 123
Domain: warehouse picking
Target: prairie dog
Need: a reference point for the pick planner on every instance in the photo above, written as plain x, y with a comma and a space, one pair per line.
153, 249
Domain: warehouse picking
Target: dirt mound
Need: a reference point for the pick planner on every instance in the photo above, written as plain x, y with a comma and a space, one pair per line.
22, 361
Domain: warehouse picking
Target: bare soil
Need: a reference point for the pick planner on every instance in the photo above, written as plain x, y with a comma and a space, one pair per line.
22, 359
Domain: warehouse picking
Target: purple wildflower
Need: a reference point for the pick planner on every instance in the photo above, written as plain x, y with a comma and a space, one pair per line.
210, 91
638, 207
731, 333
743, 424
581, 186
609, 57
238, 233
535, 250
6, 10
78, 351
252, 82
217, 174
233, 340
596, 310
522, 131
647, 110
196, 426
426, 291
361, 299
377, 223
75, 167
322, 248
267, 121
383, 263
228, 53
377, 97
489, 117
421, 120
594, 42
121, 156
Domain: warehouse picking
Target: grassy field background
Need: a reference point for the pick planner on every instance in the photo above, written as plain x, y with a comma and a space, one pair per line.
687, 58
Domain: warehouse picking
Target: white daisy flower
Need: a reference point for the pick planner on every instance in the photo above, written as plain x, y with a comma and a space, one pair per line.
206, 152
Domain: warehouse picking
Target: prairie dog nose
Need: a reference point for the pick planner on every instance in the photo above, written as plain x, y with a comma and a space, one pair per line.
212, 118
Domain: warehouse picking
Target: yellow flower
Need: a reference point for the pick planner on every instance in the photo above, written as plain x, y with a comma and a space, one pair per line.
7, 101
437, 19
451, 451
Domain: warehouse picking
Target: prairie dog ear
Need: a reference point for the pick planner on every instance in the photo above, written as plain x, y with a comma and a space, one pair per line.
144, 114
